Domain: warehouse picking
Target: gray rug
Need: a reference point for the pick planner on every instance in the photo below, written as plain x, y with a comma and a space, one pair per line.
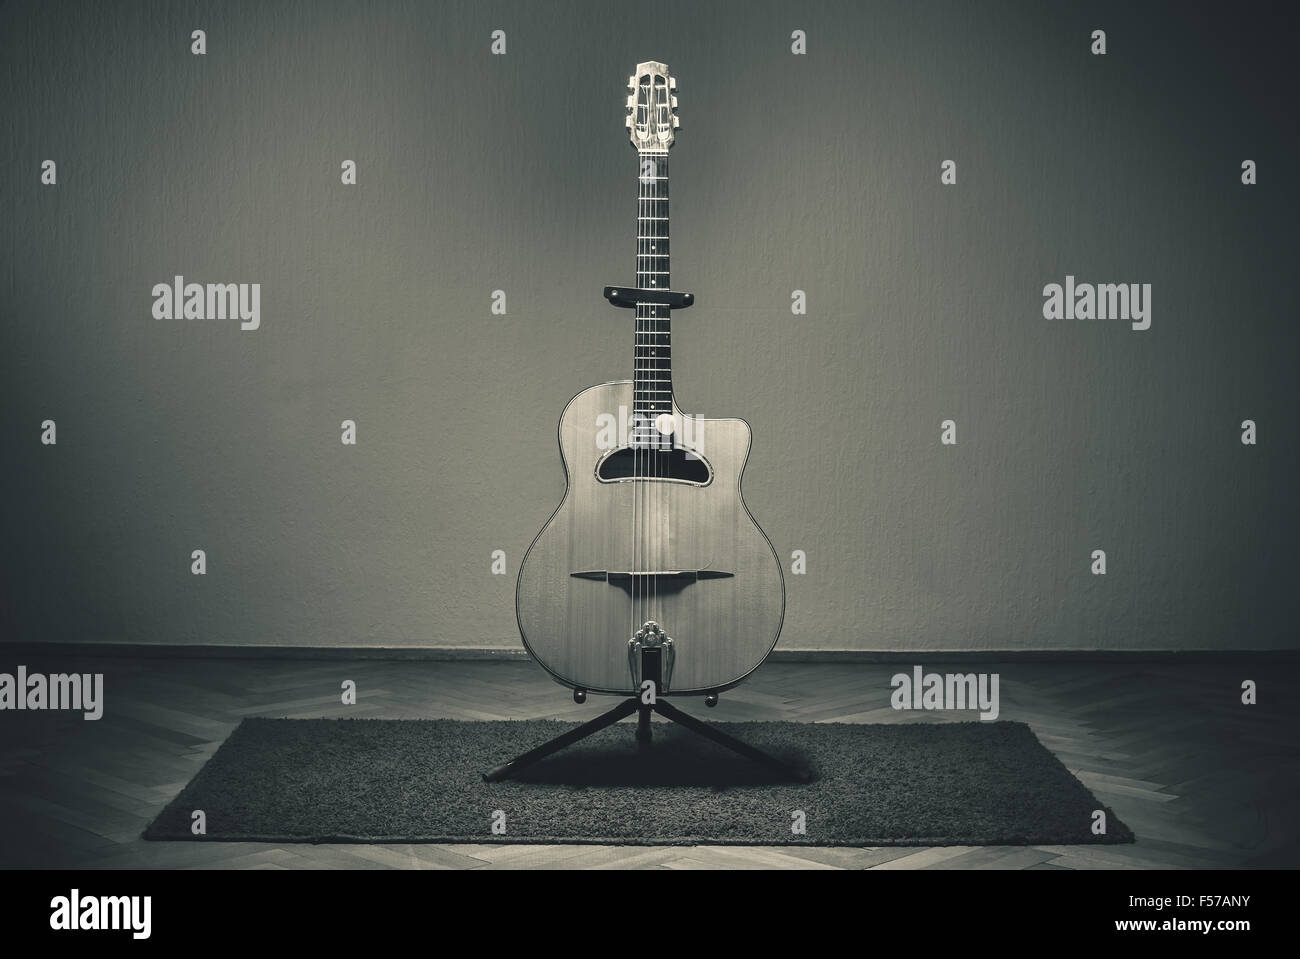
372, 780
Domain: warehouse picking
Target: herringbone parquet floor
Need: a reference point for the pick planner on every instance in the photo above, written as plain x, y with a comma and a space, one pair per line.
1203, 780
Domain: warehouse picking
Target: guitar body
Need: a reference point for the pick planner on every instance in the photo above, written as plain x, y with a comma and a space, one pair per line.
677, 547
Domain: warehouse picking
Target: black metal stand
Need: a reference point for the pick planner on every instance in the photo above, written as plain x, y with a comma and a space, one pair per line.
650, 671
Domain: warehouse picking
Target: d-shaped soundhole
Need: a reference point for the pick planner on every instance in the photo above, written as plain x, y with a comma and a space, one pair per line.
674, 465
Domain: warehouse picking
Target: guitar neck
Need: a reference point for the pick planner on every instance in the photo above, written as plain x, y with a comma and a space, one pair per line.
653, 382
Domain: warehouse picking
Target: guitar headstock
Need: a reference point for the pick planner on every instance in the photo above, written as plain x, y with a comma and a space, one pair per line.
652, 108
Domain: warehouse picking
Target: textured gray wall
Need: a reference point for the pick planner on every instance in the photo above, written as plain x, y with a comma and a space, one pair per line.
816, 172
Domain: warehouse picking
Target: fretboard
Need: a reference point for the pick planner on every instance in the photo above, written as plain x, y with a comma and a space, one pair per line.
653, 382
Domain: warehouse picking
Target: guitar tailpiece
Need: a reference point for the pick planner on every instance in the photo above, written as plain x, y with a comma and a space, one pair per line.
651, 636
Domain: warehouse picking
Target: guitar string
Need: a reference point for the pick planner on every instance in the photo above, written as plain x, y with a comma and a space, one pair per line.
659, 171
639, 455
666, 342
647, 514
647, 227
636, 448
650, 398
656, 491
639, 582
652, 583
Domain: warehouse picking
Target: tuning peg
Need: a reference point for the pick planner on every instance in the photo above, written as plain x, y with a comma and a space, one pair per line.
677, 122
631, 82
674, 102
631, 100
628, 123
672, 83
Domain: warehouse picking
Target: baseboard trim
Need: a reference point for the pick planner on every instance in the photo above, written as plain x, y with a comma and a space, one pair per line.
487, 653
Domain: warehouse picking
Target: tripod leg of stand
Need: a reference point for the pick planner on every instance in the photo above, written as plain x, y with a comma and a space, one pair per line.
625, 708
643, 734
731, 742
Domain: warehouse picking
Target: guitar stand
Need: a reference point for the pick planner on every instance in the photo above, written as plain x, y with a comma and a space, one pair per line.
651, 665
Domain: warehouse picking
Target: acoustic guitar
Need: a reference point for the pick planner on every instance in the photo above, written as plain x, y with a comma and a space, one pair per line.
652, 545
